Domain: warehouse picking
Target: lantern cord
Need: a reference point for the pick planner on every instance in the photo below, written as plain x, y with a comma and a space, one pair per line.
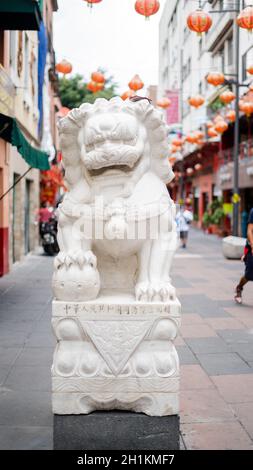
14, 184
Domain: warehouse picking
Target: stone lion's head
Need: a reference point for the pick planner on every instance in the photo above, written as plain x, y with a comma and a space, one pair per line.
115, 136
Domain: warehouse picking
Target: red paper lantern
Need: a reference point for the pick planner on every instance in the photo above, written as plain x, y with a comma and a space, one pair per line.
199, 21
218, 118
177, 142
98, 77
64, 67
196, 101
136, 83
174, 149
230, 115
215, 79
189, 171
221, 126
227, 97
90, 2
127, 94
212, 132
172, 160
250, 69
163, 103
191, 138
147, 7
63, 111
94, 86
199, 135
245, 18
246, 107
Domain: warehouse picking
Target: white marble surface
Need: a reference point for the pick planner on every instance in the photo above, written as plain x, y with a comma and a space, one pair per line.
115, 355
115, 314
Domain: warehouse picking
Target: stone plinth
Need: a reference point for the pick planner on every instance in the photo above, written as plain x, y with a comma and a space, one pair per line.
115, 353
116, 430
233, 247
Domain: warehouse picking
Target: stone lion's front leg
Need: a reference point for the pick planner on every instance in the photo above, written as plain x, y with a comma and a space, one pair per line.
154, 263
75, 267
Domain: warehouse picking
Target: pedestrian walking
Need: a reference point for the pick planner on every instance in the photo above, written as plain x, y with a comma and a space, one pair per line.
248, 260
183, 219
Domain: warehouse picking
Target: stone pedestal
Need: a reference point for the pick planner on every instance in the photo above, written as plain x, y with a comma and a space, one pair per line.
233, 247
116, 430
115, 355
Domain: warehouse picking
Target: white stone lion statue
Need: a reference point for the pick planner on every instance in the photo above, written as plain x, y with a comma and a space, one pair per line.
116, 228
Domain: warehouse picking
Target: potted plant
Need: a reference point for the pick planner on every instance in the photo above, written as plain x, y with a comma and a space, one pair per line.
206, 221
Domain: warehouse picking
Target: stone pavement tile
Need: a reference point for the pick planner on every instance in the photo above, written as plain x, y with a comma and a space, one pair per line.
14, 313
198, 280
204, 406
225, 323
193, 377
41, 339
212, 309
180, 281
192, 301
191, 319
197, 331
237, 336
186, 356
179, 341
19, 326
35, 357
245, 351
26, 438
207, 345
223, 363
244, 413
33, 378
216, 436
12, 338
8, 355
243, 314
25, 408
235, 388
4, 371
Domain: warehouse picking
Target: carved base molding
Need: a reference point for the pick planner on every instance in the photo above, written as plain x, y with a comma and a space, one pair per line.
115, 355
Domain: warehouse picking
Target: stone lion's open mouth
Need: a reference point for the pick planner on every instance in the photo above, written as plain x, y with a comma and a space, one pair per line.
113, 169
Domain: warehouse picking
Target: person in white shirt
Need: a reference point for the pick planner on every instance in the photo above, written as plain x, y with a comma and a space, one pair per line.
183, 219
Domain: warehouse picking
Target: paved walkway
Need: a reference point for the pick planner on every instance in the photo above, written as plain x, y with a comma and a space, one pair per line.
215, 349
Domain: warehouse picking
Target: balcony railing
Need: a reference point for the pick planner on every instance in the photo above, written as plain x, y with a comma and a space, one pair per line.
245, 152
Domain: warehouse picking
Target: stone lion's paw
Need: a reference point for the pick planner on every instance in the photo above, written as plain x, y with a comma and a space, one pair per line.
155, 292
78, 257
142, 291
90, 258
59, 260
168, 292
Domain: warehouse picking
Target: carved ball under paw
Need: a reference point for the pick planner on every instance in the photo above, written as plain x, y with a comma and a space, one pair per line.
75, 284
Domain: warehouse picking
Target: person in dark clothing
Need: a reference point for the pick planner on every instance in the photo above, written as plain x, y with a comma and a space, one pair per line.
248, 260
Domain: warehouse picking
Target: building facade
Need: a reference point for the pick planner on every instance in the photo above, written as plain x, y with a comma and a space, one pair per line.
24, 84
185, 60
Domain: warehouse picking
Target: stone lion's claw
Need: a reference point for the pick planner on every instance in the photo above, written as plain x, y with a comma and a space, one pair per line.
78, 257
155, 292
90, 258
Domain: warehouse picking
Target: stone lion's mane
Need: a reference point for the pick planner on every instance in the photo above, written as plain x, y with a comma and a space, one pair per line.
157, 130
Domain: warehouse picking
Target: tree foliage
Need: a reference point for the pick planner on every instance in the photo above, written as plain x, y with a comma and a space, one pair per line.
73, 91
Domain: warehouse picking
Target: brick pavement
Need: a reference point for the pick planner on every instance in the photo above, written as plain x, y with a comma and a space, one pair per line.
215, 348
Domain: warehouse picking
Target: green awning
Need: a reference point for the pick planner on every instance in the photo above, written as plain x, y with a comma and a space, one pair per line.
20, 15
10, 132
